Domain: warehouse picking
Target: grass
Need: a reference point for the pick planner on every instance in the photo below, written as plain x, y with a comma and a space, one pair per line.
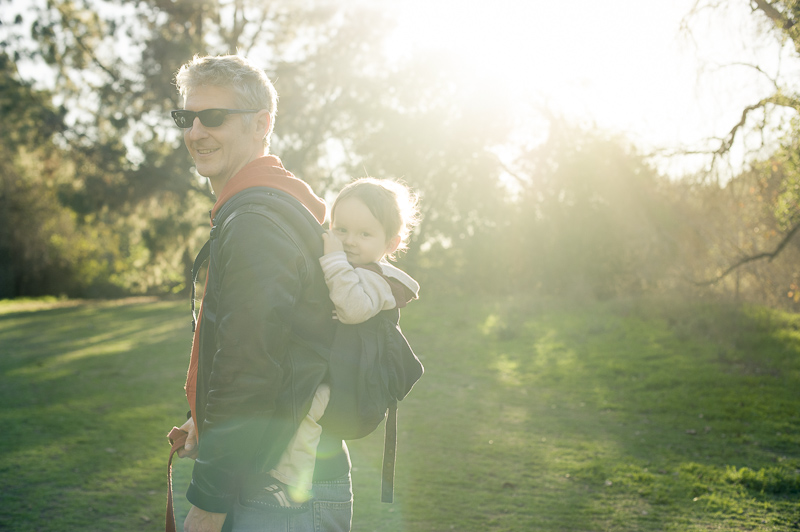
547, 416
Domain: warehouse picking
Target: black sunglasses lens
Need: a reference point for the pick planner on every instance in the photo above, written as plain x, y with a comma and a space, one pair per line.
209, 118
183, 119
212, 117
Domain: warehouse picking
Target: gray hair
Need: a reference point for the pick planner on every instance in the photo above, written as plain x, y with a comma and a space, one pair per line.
251, 85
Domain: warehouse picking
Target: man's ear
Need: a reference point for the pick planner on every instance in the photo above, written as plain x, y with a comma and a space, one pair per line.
393, 244
262, 123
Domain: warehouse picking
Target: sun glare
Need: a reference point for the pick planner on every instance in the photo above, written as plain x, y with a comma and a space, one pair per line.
589, 59
621, 65
499, 40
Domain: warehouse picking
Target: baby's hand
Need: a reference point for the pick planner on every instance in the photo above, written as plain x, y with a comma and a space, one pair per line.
331, 243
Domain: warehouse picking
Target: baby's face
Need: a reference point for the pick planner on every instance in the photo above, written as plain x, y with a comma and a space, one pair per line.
363, 237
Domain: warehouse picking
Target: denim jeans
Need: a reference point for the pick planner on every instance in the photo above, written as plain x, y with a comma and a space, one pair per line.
331, 510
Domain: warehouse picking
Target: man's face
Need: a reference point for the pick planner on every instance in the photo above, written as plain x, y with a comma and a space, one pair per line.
219, 152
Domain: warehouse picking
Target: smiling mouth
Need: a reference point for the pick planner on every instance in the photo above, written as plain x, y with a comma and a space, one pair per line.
205, 151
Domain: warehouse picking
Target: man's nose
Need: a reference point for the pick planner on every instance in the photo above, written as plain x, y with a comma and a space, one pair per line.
197, 130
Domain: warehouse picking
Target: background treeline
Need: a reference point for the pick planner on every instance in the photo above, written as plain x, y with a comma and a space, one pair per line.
98, 198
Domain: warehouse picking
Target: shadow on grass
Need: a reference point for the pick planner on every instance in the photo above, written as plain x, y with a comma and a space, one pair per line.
530, 416
88, 395
605, 417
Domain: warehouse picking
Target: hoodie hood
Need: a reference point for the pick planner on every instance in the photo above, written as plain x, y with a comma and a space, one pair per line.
268, 171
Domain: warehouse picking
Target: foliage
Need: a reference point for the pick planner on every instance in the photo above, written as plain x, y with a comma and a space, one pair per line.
771, 177
97, 236
513, 198
639, 414
752, 215
343, 111
45, 251
346, 113
585, 215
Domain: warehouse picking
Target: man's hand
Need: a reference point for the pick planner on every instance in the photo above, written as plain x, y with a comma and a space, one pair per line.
190, 447
331, 243
198, 520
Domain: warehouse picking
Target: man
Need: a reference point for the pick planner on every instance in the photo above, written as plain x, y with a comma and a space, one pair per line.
250, 381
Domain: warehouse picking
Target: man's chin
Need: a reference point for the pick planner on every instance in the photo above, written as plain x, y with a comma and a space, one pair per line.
204, 170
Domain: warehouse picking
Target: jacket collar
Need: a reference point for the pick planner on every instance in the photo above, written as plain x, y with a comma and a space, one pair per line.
268, 171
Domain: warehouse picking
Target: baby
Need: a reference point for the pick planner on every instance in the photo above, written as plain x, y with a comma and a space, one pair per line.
371, 220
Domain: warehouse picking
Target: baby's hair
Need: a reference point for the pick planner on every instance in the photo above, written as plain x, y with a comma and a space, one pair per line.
392, 203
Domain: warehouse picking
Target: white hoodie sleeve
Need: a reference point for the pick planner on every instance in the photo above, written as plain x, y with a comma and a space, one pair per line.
358, 294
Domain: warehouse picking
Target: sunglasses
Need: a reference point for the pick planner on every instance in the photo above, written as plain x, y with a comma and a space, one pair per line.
208, 117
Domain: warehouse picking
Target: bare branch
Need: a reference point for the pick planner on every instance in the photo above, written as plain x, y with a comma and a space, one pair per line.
746, 260
79, 41
259, 31
727, 141
696, 9
718, 147
521, 180
780, 20
757, 68
777, 99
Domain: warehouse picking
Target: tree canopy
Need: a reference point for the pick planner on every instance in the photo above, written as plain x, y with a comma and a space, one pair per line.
99, 197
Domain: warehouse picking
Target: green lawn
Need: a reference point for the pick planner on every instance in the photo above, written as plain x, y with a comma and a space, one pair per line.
545, 416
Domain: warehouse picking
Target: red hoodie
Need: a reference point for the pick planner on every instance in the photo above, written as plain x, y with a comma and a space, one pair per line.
266, 171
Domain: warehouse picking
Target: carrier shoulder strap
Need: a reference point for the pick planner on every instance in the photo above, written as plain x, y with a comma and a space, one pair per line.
389, 454
283, 203
199, 260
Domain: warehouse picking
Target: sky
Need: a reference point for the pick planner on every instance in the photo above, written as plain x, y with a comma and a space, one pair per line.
623, 65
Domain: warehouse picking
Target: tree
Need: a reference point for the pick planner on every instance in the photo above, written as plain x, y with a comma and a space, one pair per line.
779, 18
42, 249
591, 218
344, 111
112, 63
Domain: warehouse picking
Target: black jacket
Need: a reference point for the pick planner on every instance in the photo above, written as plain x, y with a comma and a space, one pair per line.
255, 383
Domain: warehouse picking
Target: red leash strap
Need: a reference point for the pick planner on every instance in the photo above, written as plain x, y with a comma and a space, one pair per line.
177, 438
